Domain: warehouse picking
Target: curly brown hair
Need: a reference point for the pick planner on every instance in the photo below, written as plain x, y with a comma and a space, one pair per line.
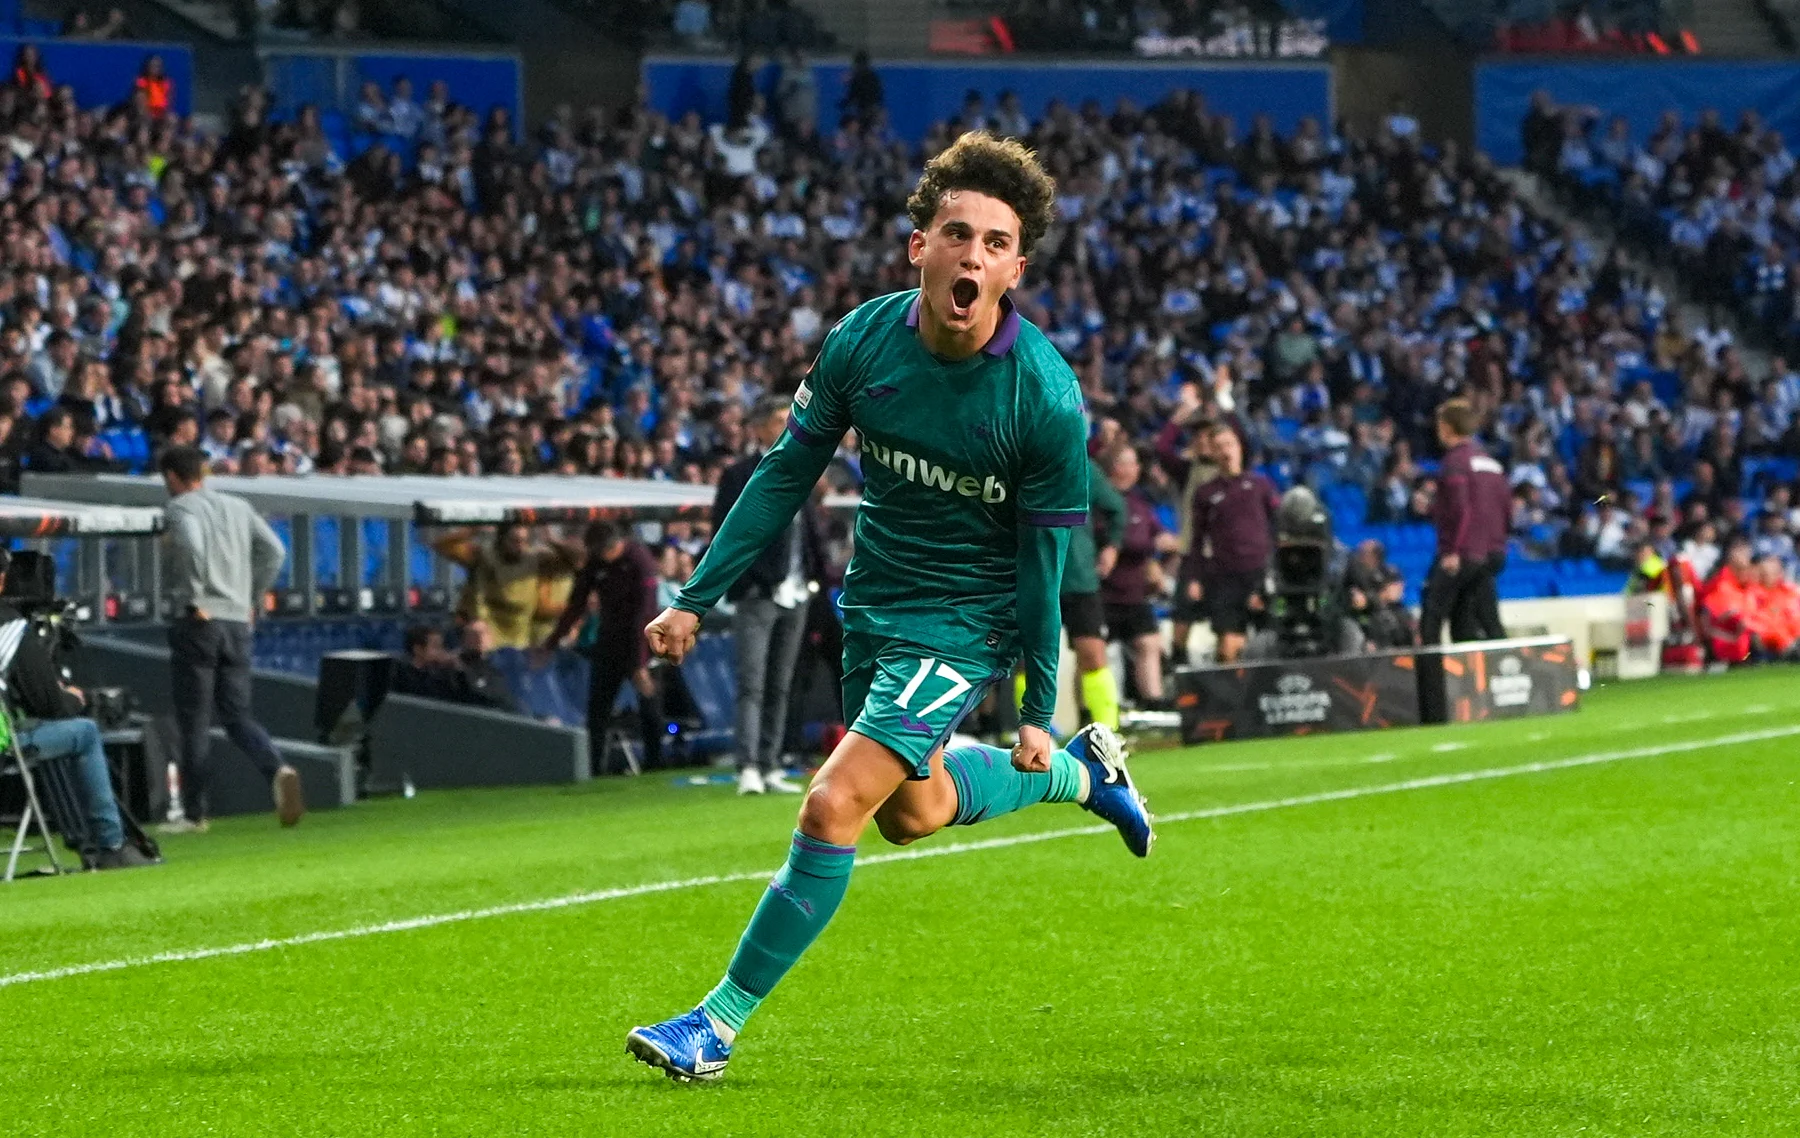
1000, 168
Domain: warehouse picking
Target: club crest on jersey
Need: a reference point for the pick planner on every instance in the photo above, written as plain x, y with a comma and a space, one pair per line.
927, 473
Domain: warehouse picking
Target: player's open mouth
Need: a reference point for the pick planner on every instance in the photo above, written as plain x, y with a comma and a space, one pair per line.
963, 294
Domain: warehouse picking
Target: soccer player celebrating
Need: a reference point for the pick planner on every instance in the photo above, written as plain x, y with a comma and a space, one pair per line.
973, 447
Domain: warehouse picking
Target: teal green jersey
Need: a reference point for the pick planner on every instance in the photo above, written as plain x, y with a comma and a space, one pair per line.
975, 471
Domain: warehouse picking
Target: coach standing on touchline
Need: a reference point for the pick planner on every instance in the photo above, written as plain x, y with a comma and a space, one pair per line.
1227, 564
1471, 512
225, 558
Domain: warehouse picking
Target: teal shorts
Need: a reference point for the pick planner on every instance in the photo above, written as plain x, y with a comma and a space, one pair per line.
908, 698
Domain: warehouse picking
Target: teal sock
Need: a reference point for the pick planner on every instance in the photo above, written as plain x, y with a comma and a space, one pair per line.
987, 786
792, 913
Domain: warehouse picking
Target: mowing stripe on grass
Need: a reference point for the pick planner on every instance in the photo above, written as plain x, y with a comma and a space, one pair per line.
588, 898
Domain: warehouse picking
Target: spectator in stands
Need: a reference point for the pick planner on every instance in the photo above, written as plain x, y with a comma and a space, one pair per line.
59, 449
35, 689
1233, 539
516, 585
51, 366
863, 95
83, 26
1472, 511
372, 110
405, 117
615, 595
771, 599
28, 74
223, 558
156, 88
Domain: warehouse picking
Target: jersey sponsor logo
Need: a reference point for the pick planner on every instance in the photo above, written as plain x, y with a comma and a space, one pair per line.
803, 397
913, 468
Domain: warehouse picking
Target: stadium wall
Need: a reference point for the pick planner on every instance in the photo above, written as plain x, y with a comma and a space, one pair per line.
1640, 91
920, 93
102, 72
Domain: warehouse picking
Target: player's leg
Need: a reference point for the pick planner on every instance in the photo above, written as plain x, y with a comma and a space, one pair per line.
802, 897
1229, 598
1082, 617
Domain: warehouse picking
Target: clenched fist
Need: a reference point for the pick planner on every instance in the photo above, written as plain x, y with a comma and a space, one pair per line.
1034, 749
671, 634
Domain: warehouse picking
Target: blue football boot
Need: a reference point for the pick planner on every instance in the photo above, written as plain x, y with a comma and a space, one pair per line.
1111, 793
685, 1048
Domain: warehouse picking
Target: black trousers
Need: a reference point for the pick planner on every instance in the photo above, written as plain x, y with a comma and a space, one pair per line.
209, 673
610, 668
1469, 599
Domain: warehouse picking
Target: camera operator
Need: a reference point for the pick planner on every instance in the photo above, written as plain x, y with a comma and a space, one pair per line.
224, 557
1374, 596
1472, 512
37, 691
1227, 564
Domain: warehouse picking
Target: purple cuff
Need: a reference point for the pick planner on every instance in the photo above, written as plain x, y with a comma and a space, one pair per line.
1054, 519
801, 434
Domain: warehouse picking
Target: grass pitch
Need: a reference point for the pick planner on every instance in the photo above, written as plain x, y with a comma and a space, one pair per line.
1367, 947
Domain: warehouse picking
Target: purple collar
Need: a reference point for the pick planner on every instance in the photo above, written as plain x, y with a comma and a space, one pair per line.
1004, 335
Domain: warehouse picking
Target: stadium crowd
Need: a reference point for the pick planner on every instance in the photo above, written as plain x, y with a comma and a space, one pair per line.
415, 289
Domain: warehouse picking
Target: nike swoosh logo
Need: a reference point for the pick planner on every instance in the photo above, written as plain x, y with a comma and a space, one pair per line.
881, 391
917, 726
702, 1066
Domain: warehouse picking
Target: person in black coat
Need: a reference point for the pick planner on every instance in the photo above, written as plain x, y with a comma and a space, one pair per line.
771, 598
618, 582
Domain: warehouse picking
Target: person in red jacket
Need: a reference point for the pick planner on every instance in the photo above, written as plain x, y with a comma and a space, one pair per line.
1471, 512
28, 73
1726, 603
158, 89
1774, 620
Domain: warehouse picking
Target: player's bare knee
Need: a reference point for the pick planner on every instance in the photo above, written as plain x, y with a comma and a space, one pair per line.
825, 812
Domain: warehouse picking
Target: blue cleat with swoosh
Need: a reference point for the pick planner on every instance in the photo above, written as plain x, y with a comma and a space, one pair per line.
1112, 796
686, 1048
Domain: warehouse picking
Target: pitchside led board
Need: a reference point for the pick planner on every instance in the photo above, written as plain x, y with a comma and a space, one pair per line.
1461, 683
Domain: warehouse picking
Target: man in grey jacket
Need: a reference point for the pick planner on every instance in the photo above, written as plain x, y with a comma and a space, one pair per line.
224, 558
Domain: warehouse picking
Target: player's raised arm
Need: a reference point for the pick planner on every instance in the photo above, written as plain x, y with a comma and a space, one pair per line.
774, 494
1053, 498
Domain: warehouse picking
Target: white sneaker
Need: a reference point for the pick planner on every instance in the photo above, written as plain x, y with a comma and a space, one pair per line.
750, 781
182, 825
778, 783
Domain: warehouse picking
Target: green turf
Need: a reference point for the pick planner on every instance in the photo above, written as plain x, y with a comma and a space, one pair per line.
1606, 949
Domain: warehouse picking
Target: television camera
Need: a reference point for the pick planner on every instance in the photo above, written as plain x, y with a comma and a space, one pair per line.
1303, 618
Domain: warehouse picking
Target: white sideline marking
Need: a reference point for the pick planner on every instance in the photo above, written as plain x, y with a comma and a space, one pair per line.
574, 899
